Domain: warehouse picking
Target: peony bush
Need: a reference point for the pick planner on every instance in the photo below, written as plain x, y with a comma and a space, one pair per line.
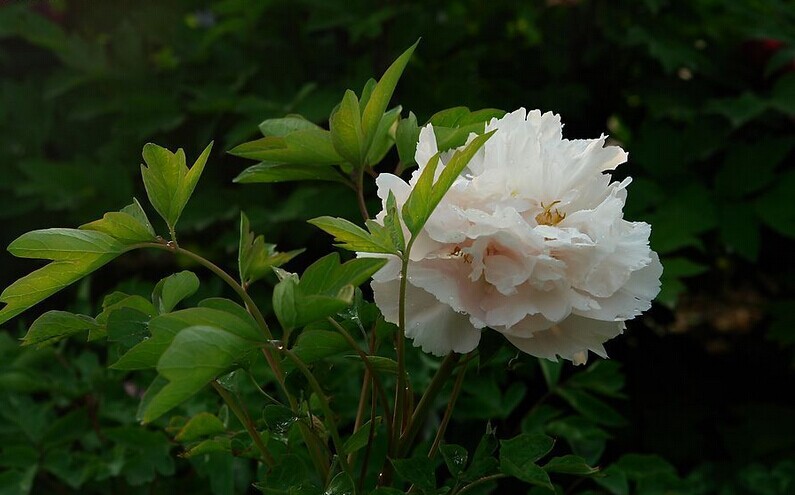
503, 226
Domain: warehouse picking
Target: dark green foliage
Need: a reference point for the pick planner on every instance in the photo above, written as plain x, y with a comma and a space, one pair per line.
700, 93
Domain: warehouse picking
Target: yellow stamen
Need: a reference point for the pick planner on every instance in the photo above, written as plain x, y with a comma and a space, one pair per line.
549, 217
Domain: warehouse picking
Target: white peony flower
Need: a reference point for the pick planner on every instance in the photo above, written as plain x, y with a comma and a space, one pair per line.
530, 241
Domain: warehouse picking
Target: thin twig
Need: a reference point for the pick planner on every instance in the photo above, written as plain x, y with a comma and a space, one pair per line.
448, 413
242, 415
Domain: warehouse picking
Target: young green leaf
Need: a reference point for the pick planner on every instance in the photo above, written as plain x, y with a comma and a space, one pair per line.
418, 471
569, 464
267, 173
326, 288
350, 236
285, 125
342, 484
393, 224
255, 258
163, 328
54, 326
127, 326
302, 147
384, 137
455, 457
407, 135
196, 356
201, 425
591, 407
345, 126
130, 225
427, 194
168, 180
381, 94
314, 345
551, 371
518, 458
171, 290
75, 254
359, 439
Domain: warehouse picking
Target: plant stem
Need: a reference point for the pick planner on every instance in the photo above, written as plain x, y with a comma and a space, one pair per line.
324, 405
320, 464
242, 415
400, 337
360, 194
426, 401
448, 413
480, 481
377, 386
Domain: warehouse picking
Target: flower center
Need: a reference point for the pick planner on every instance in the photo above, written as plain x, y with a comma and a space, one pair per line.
548, 216
457, 252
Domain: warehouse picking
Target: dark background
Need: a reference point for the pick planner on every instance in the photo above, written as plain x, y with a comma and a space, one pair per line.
701, 93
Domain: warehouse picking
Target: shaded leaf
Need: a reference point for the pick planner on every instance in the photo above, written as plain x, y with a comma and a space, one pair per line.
171, 290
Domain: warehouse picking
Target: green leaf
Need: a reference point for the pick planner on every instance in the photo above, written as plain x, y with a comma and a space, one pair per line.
327, 276
342, 484
289, 477
483, 461
201, 425
738, 110
393, 224
739, 229
455, 457
286, 125
750, 167
551, 371
406, 137
118, 301
417, 471
127, 326
453, 126
379, 363
519, 455
255, 258
163, 329
196, 356
130, 225
570, 464
426, 194
602, 377
266, 172
378, 101
294, 308
75, 254
314, 345
302, 147
683, 267
367, 92
591, 407
54, 326
218, 444
583, 436
350, 236
384, 136
168, 181
345, 126
171, 290
359, 439
774, 208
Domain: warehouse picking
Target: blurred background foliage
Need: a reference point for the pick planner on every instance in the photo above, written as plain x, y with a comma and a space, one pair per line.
701, 93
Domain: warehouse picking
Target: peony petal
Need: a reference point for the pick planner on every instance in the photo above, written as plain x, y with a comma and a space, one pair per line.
433, 326
569, 339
